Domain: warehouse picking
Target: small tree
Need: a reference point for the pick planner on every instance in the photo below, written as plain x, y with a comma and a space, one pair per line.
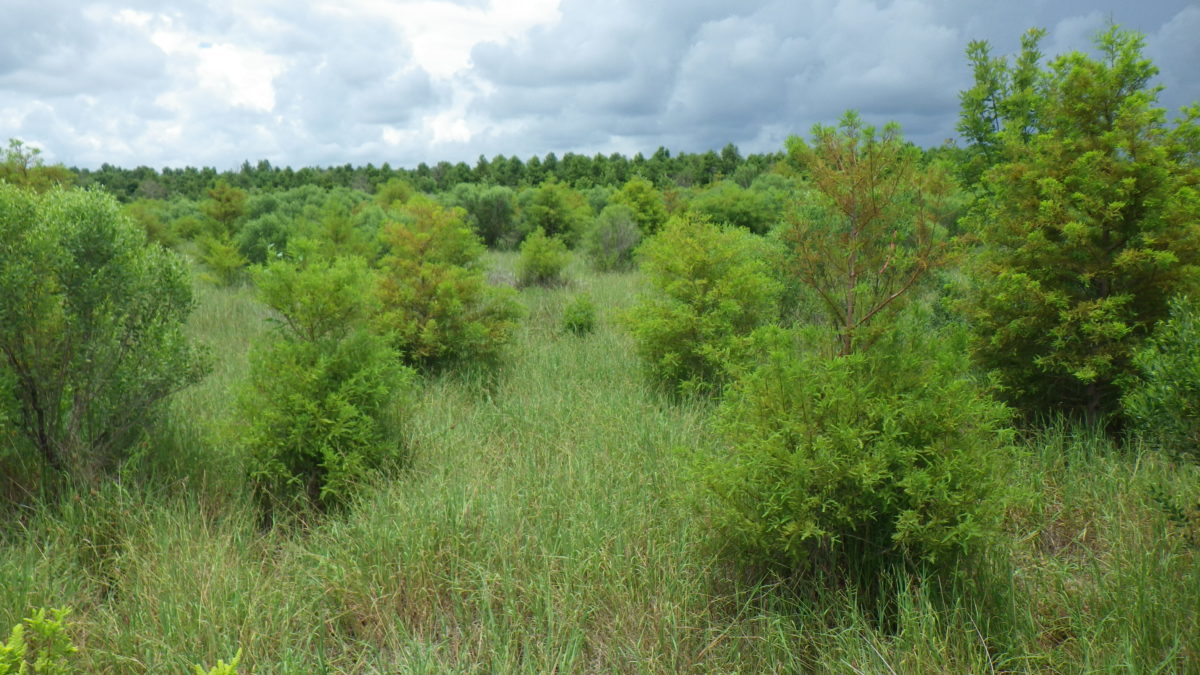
611, 240
542, 260
91, 325
435, 301
23, 166
870, 233
1088, 225
646, 201
317, 407
710, 288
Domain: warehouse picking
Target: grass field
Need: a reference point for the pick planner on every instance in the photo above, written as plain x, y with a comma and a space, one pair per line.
543, 519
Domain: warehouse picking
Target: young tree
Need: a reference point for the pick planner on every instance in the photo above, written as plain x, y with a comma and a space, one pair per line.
870, 234
1088, 225
23, 166
91, 325
318, 403
436, 302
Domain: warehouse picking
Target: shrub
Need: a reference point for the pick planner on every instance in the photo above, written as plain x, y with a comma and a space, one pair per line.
542, 260
91, 326
224, 261
888, 454
318, 406
558, 209
490, 210
435, 302
39, 644
710, 288
1164, 403
646, 202
1087, 220
612, 239
579, 316
729, 203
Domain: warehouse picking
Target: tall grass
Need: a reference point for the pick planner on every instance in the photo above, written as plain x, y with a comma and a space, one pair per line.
545, 523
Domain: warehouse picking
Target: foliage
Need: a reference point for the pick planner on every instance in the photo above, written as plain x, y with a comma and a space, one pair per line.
579, 316
885, 454
221, 668
542, 260
225, 206
150, 215
1088, 228
647, 203
710, 288
1164, 402
38, 646
91, 327
490, 211
727, 202
556, 208
395, 192
317, 407
1002, 103
435, 302
22, 166
225, 263
611, 240
264, 238
871, 234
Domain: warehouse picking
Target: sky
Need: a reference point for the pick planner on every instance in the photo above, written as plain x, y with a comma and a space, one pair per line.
319, 83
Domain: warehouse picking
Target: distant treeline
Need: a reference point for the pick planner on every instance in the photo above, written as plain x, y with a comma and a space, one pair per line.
581, 171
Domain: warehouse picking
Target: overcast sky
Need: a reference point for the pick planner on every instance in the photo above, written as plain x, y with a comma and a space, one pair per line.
213, 83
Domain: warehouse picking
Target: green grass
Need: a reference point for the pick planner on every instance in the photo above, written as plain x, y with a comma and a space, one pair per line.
546, 522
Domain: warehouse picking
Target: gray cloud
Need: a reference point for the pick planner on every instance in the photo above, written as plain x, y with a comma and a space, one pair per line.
92, 82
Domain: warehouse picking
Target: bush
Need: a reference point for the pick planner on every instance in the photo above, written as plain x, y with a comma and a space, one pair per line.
558, 209
710, 288
646, 202
435, 302
318, 406
542, 260
579, 316
490, 210
224, 261
1164, 403
890, 454
612, 239
1087, 223
39, 644
91, 326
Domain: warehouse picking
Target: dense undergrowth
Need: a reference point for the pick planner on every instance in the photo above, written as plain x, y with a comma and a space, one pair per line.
546, 522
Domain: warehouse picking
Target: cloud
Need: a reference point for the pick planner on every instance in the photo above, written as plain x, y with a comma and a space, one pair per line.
404, 81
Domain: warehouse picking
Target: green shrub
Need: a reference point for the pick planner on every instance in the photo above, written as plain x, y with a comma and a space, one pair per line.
646, 202
1087, 223
225, 263
612, 238
888, 454
1164, 403
579, 316
435, 302
560, 210
91, 326
710, 288
39, 645
318, 409
542, 260
490, 211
